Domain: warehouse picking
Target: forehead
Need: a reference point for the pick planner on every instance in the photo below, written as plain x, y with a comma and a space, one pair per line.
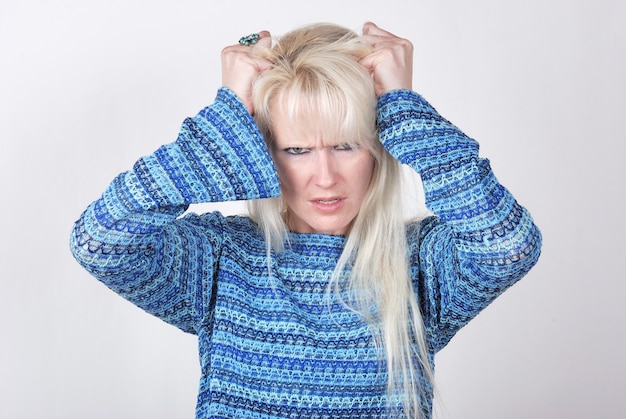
304, 121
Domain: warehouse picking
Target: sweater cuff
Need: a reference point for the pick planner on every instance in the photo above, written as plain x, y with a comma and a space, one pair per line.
233, 150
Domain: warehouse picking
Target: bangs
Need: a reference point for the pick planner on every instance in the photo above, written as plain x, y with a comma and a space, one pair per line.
316, 76
339, 117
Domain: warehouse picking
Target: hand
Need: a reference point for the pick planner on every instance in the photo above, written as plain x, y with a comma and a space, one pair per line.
241, 65
390, 62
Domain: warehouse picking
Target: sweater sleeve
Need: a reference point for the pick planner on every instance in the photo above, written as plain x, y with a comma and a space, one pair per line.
480, 241
132, 238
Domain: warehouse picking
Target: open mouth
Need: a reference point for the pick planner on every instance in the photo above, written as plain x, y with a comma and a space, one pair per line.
328, 204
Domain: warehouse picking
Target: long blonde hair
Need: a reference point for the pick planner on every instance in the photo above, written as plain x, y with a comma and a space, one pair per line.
316, 71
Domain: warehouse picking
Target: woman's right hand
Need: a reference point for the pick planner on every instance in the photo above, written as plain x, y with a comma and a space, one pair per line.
241, 66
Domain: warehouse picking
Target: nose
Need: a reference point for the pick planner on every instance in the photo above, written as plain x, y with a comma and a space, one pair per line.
325, 170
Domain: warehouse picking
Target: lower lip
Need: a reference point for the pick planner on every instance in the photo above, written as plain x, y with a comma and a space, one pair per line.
330, 206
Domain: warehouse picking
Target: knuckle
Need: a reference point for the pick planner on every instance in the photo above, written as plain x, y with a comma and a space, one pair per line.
229, 50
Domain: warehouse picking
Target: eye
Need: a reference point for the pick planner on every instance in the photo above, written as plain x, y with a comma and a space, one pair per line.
296, 150
345, 147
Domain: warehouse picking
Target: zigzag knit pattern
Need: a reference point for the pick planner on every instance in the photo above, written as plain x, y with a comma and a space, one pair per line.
281, 346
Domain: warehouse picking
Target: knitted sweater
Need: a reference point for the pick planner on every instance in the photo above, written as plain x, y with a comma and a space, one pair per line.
280, 346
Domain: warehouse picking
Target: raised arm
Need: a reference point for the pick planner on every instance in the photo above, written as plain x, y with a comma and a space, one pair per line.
481, 240
131, 238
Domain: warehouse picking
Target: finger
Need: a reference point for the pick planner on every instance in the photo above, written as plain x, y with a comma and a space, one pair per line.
370, 28
265, 40
258, 52
370, 61
263, 44
262, 64
378, 38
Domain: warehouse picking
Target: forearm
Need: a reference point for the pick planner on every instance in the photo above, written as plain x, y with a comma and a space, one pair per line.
218, 156
131, 238
491, 230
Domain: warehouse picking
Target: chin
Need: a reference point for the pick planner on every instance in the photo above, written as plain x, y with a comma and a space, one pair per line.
332, 231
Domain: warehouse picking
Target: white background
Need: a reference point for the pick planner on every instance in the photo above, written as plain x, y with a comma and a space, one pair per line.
86, 87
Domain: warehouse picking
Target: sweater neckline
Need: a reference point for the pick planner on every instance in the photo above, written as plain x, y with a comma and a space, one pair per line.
314, 244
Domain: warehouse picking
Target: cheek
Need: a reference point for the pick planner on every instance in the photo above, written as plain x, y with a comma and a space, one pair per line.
364, 173
288, 176
278, 165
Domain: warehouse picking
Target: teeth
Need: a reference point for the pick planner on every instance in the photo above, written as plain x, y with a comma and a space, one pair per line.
332, 201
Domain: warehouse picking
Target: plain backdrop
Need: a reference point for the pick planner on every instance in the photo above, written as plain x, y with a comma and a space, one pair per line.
86, 87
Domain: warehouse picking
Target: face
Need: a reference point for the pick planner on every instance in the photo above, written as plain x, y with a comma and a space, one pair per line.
323, 180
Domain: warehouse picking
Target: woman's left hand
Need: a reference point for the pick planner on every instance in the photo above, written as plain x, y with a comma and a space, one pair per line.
390, 62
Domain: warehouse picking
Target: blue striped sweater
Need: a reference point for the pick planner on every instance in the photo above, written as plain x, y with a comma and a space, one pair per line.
282, 347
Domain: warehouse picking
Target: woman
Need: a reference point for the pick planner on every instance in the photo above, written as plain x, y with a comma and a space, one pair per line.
323, 302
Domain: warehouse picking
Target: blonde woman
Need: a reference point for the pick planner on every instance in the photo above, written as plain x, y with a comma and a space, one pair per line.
323, 301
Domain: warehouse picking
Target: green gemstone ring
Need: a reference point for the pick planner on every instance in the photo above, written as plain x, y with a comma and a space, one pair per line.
249, 39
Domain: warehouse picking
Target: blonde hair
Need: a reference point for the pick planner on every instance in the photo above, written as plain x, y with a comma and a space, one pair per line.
316, 71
